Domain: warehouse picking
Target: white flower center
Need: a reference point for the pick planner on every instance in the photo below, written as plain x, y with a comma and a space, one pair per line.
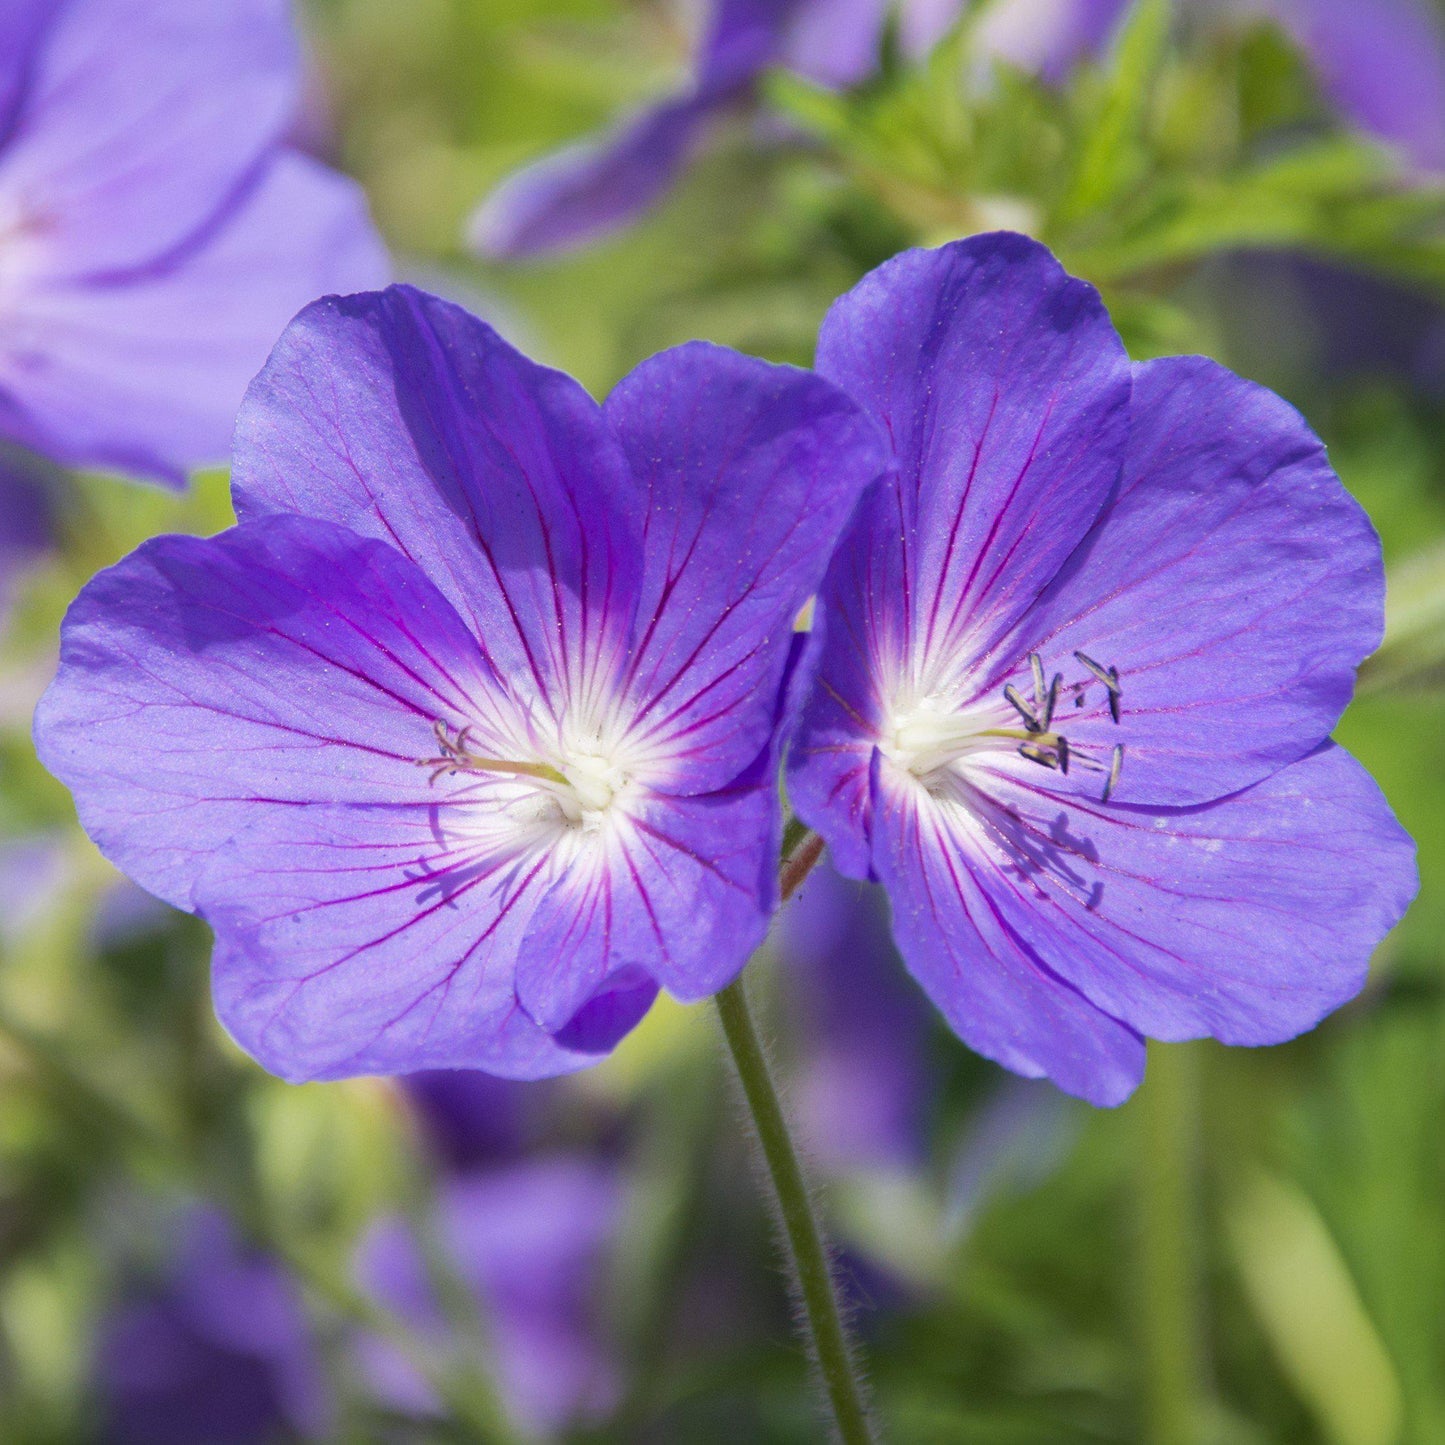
925, 737
593, 780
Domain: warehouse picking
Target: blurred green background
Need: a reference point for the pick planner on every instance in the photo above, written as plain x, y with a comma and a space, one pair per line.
1252, 1249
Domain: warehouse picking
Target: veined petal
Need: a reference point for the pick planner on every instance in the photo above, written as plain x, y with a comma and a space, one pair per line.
678, 889
122, 374
359, 940
140, 119
1246, 919
402, 417
1004, 390
1233, 583
844, 713
205, 682
747, 475
1004, 998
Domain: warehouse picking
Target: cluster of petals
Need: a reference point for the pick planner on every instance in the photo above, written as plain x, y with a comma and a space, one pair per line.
464, 739
157, 231
1081, 655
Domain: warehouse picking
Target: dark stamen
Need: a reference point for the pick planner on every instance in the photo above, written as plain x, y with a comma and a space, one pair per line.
1062, 748
1115, 693
1038, 755
1036, 662
1051, 700
1115, 767
1014, 696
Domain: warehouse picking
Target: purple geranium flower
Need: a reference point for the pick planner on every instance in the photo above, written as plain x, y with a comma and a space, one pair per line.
218, 1350
1081, 659
157, 231
462, 740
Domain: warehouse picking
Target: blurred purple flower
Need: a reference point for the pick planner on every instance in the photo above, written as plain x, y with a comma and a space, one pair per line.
597, 186
34, 868
158, 233
26, 521
1381, 63
218, 1351
470, 1119
528, 1242
575, 618
1081, 659
863, 1082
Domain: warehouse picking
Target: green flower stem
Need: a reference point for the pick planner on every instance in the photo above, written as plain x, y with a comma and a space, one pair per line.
1171, 1305
822, 1317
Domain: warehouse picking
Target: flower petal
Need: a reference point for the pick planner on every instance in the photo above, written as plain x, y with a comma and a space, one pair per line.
140, 119
592, 188
1003, 998
1246, 919
286, 661
1233, 583
747, 474
588, 190
26, 22
404, 418
360, 940
1004, 390
121, 375
680, 889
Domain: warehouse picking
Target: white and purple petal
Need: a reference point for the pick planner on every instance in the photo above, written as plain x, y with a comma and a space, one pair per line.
1004, 998
205, 682
1246, 919
1004, 390
678, 891
406, 419
746, 475
1232, 582
382, 939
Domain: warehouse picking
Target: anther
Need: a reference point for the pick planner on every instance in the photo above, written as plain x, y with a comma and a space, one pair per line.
1062, 749
1036, 663
1116, 765
457, 757
1031, 722
1037, 754
1051, 700
1109, 676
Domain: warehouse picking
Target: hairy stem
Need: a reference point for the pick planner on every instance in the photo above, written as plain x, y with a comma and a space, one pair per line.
822, 1317
798, 863
1169, 1228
